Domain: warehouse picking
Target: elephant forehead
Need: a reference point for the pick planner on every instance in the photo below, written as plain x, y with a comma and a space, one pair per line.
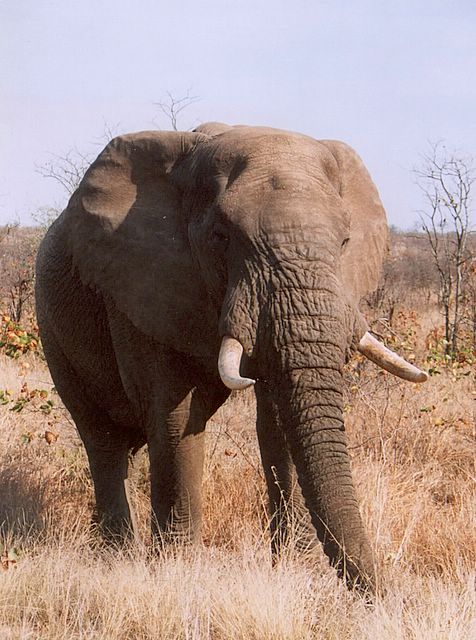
290, 185
274, 161
256, 141
289, 209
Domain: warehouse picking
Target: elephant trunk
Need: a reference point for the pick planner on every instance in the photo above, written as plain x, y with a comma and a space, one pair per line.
305, 353
311, 416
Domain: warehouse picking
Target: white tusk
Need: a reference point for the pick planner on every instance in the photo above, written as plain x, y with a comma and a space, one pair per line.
229, 364
387, 359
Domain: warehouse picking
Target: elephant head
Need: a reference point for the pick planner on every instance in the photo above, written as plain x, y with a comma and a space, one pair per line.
239, 240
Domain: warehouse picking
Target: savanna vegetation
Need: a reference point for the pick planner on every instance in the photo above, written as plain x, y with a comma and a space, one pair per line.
414, 460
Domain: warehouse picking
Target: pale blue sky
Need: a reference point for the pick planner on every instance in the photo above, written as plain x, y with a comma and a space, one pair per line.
386, 77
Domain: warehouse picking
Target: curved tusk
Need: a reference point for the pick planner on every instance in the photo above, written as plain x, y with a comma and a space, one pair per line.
374, 350
229, 364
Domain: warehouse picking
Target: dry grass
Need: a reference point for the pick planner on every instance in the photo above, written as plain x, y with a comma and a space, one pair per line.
414, 460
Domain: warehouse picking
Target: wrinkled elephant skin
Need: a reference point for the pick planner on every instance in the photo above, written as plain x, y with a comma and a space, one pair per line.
173, 243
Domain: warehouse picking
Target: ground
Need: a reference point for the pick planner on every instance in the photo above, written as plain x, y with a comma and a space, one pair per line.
414, 458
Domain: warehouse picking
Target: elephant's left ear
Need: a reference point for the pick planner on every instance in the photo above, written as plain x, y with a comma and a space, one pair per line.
128, 236
368, 234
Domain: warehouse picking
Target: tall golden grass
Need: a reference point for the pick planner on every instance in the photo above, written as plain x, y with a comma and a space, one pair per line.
414, 459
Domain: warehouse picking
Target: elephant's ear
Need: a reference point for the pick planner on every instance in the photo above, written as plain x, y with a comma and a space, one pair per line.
364, 252
129, 240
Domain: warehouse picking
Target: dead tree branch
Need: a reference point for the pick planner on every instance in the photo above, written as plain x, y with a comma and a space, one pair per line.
445, 180
172, 107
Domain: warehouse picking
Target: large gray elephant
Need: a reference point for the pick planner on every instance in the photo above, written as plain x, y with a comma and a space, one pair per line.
185, 257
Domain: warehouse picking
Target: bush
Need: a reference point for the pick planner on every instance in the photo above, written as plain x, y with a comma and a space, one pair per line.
15, 340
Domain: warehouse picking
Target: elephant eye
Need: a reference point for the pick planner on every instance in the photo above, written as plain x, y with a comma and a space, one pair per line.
219, 238
344, 244
220, 234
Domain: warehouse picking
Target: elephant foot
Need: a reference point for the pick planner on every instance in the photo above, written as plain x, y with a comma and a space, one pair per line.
115, 531
173, 535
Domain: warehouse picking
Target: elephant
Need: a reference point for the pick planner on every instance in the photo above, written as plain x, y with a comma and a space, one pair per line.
189, 264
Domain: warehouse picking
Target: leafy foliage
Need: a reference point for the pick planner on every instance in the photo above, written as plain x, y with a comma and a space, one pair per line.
34, 399
16, 340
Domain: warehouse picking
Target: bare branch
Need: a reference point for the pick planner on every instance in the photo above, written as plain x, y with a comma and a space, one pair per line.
171, 106
68, 169
6, 229
445, 180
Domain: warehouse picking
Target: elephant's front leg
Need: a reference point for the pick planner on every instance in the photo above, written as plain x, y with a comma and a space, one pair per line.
289, 518
176, 452
109, 472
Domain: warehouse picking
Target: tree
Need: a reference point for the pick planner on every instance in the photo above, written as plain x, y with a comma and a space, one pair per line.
445, 179
6, 230
171, 106
17, 268
67, 169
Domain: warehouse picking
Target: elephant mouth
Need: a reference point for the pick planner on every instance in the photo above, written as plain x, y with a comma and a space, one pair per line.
231, 351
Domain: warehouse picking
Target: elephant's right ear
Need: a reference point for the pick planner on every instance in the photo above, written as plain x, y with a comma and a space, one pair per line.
368, 236
128, 237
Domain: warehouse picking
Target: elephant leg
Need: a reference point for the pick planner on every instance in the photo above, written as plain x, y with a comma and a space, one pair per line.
176, 461
108, 452
107, 444
176, 452
174, 395
289, 518
109, 463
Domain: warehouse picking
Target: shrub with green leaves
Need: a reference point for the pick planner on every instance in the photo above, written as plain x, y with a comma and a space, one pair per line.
16, 340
